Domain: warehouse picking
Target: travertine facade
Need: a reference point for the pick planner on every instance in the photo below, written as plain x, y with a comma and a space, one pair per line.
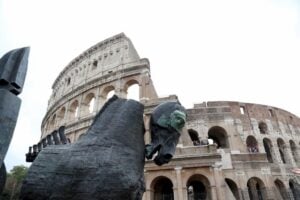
229, 150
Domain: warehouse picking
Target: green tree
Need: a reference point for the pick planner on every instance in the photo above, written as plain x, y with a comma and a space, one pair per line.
14, 182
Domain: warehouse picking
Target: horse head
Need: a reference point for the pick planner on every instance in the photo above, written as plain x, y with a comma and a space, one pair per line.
166, 123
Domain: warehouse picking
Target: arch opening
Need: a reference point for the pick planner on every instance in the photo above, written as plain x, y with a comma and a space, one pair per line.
256, 189
252, 144
92, 105
88, 104
268, 149
263, 128
295, 189
233, 187
74, 108
219, 136
281, 189
194, 137
162, 189
110, 94
294, 150
52, 122
281, 148
198, 188
61, 114
133, 90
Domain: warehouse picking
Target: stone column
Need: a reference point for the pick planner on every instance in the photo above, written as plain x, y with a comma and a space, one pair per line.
268, 182
243, 190
275, 154
119, 90
79, 114
296, 155
147, 90
254, 125
147, 135
239, 129
218, 183
185, 193
67, 113
97, 101
245, 194
120, 93
214, 192
289, 156
101, 101
147, 194
179, 182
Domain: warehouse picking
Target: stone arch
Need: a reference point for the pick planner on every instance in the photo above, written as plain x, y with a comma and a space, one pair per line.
108, 92
52, 122
251, 143
162, 188
81, 136
194, 137
269, 149
47, 127
294, 150
198, 187
233, 187
132, 89
88, 104
281, 189
256, 189
61, 114
282, 151
263, 128
68, 81
219, 136
73, 110
295, 189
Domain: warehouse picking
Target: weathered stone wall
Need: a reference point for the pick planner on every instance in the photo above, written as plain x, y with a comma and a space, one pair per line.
248, 144
82, 87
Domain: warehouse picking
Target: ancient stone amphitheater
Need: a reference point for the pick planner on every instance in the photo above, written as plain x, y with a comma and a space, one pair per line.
229, 150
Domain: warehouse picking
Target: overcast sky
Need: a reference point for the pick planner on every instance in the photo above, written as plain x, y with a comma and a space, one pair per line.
244, 51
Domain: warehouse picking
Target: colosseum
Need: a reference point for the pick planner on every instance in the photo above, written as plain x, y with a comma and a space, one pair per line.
229, 150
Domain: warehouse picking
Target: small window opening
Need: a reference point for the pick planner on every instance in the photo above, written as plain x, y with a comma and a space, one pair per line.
263, 128
194, 137
68, 81
252, 144
242, 110
271, 113
95, 63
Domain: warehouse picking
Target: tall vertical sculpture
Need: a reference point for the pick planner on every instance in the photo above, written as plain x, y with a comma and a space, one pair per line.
13, 68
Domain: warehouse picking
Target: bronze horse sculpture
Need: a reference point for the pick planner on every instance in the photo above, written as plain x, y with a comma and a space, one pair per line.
107, 163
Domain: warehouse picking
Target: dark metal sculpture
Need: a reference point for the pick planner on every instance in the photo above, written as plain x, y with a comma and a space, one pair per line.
56, 137
13, 68
107, 163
